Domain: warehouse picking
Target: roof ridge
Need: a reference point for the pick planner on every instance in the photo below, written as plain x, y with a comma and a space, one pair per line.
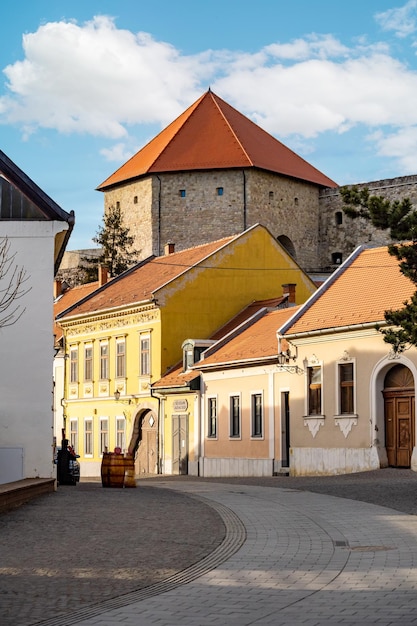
215, 100
324, 287
235, 332
199, 245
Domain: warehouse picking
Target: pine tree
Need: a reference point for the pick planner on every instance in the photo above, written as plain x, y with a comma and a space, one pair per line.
116, 244
399, 218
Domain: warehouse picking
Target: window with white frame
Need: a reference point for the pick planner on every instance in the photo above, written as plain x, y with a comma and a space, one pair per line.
73, 438
120, 358
212, 417
314, 395
104, 434
346, 388
256, 415
74, 364
121, 433
88, 362
104, 360
145, 355
88, 437
235, 416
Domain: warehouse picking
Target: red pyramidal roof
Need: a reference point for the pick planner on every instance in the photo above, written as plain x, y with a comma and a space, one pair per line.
211, 134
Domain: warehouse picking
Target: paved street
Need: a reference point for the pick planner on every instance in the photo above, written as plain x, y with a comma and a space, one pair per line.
178, 551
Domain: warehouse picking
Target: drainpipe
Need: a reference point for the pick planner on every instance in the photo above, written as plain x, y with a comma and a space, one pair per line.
159, 215
244, 201
159, 437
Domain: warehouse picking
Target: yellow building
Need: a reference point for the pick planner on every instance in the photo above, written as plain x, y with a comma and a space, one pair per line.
128, 333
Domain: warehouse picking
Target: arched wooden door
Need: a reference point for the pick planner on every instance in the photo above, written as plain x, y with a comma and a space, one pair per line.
144, 443
399, 416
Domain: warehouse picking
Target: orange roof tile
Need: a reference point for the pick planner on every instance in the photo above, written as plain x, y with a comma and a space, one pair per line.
176, 377
261, 332
211, 134
140, 282
68, 299
257, 341
358, 293
247, 313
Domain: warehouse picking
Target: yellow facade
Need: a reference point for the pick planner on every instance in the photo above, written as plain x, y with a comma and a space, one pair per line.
106, 347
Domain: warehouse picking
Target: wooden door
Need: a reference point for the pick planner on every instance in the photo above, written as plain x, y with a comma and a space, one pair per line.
399, 416
180, 444
145, 446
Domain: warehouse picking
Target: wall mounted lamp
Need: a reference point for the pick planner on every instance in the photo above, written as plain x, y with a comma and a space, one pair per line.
285, 356
129, 401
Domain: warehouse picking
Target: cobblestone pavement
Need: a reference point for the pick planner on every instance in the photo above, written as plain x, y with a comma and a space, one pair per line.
179, 550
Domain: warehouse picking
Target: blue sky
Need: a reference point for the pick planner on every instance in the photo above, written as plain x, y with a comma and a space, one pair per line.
86, 83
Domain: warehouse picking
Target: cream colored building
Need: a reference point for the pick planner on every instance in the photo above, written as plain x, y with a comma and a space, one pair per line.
353, 407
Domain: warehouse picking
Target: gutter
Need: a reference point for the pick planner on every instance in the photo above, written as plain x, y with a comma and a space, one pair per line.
330, 331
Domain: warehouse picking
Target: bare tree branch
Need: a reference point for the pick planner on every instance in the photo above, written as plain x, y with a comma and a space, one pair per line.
12, 286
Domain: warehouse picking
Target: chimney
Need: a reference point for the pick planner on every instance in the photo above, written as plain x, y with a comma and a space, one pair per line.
57, 288
289, 290
103, 275
169, 248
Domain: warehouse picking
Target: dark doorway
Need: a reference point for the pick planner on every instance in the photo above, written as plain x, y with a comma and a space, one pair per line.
285, 429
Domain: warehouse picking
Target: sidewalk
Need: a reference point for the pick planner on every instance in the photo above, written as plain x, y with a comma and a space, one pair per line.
289, 556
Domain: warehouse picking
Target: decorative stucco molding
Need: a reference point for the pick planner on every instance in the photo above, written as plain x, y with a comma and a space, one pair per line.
314, 423
346, 424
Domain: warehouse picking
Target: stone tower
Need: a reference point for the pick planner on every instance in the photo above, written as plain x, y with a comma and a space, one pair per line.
213, 173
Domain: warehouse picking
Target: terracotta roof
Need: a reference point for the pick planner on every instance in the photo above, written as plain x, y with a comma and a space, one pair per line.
256, 340
67, 299
367, 285
211, 134
140, 282
244, 315
176, 377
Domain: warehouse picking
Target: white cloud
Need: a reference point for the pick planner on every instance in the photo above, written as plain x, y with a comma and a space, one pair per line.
402, 20
401, 146
119, 153
97, 79
312, 46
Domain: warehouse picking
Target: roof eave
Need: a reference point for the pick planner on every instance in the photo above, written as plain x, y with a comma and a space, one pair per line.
333, 330
237, 363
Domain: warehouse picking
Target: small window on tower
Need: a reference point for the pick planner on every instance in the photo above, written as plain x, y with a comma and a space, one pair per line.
117, 205
135, 200
296, 201
271, 196
182, 193
338, 216
219, 191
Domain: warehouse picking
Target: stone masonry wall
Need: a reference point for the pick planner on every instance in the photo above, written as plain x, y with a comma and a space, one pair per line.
197, 207
136, 201
289, 209
339, 234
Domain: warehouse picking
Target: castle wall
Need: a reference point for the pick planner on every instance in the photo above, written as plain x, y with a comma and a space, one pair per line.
341, 234
196, 207
200, 206
289, 208
137, 203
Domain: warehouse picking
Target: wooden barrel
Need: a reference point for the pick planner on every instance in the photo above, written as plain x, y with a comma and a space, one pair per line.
105, 469
130, 471
117, 470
